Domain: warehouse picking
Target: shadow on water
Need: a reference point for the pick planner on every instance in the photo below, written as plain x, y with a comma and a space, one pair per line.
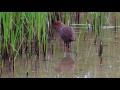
66, 64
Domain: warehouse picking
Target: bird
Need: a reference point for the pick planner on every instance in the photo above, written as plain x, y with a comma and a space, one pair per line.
66, 32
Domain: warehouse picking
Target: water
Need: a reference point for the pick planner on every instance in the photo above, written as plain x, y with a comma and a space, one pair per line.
86, 64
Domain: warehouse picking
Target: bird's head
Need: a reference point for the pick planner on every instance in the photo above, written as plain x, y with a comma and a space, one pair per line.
58, 24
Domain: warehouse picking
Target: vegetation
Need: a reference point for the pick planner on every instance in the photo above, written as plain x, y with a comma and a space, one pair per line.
31, 32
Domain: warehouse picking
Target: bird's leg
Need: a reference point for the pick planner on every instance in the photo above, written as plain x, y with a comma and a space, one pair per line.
67, 47
64, 46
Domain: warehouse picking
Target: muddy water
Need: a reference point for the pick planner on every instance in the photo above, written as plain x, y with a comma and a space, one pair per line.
84, 64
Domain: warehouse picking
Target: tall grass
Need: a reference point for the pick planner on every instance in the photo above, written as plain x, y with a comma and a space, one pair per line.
99, 19
102, 21
18, 32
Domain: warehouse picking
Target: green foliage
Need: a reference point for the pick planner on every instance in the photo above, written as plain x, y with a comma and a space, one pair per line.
19, 27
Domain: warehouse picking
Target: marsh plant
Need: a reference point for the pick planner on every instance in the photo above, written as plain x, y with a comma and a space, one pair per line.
28, 33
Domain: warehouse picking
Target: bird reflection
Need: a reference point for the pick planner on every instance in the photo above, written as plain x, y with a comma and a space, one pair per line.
66, 65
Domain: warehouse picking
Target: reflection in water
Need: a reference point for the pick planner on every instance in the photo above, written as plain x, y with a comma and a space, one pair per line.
66, 65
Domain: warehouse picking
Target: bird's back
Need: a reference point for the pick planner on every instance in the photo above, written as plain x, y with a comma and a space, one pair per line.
67, 33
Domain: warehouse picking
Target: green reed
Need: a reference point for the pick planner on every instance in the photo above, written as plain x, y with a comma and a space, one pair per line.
21, 30
107, 18
102, 21
20, 27
98, 19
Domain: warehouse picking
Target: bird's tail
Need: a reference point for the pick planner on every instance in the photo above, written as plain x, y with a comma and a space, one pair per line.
73, 39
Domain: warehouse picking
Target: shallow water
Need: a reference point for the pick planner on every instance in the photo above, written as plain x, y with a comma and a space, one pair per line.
84, 64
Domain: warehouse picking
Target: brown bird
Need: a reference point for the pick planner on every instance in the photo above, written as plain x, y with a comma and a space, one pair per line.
67, 34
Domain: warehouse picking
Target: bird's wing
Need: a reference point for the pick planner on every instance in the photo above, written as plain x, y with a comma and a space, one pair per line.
67, 30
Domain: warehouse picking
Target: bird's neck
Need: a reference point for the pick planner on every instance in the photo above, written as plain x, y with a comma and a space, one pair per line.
60, 26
